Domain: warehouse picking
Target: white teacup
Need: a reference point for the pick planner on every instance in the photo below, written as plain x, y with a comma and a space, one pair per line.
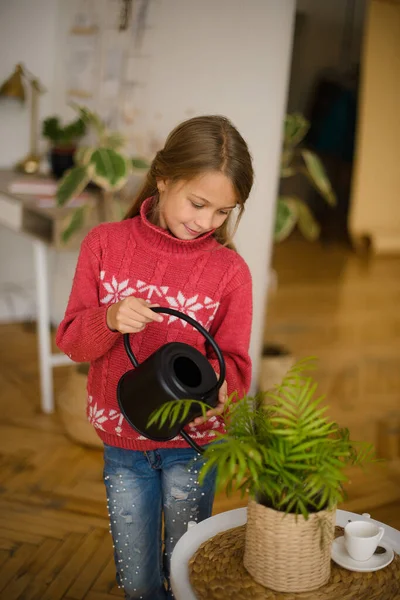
361, 539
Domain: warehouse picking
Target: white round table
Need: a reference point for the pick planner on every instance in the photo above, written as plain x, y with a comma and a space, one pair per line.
195, 536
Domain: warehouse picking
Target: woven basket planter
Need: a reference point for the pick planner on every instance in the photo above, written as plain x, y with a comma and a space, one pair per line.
72, 411
286, 553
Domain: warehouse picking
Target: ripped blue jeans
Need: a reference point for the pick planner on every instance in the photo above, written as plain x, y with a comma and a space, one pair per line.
141, 486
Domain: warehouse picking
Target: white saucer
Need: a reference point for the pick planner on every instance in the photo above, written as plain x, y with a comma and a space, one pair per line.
376, 562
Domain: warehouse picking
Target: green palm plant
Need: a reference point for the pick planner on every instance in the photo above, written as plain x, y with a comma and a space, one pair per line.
292, 210
103, 163
279, 446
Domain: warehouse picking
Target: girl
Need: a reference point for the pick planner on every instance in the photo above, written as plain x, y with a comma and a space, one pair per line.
173, 249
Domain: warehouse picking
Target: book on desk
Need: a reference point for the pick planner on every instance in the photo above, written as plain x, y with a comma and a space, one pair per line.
28, 205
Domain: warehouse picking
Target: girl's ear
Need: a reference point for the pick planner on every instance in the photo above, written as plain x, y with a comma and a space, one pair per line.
161, 184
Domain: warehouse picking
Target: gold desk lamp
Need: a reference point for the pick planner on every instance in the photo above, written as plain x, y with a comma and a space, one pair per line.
13, 87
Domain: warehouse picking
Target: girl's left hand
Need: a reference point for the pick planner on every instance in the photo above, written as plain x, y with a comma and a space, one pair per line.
222, 398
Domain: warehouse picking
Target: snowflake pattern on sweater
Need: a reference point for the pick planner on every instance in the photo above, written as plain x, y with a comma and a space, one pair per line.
99, 416
202, 309
116, 291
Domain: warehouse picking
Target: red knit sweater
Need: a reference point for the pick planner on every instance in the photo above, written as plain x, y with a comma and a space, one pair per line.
199, 277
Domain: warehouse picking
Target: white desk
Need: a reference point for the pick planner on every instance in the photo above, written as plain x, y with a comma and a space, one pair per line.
44, 226
195, 536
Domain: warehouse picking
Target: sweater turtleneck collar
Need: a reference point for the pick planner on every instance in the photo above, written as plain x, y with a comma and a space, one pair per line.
162, 240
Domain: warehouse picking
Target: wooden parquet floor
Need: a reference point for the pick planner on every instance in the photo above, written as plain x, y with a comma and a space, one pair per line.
54, 540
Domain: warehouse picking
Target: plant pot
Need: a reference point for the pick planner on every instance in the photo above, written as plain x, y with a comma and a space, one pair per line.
61, 159
287, 553
72, 410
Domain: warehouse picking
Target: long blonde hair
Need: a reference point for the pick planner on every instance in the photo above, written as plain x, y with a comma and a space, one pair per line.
198, 145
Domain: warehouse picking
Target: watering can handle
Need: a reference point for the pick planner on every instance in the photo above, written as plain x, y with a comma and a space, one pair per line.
200, 328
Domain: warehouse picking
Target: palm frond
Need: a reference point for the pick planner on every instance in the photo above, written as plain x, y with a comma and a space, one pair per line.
176, 411
286, 453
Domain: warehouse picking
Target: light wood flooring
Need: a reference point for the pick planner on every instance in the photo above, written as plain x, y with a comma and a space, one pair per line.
54, 540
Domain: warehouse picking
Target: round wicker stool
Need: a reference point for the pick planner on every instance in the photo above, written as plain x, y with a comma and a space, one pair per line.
217, 573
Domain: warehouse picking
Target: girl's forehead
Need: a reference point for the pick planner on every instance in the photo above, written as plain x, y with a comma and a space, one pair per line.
213, 187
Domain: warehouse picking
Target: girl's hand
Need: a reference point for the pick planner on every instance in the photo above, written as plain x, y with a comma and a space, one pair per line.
131, 315
222, 398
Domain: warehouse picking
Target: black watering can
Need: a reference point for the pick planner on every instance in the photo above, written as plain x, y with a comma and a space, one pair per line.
175, 371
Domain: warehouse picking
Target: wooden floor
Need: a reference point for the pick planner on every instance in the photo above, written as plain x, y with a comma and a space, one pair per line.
54, 540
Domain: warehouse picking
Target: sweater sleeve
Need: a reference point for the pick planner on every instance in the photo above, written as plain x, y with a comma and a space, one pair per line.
83, 333
231, 330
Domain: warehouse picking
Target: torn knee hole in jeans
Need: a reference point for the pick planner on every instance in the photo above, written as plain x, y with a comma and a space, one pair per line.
178, 494
126, 516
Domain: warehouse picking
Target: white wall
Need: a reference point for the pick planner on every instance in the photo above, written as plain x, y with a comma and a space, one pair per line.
27, 35
220, 56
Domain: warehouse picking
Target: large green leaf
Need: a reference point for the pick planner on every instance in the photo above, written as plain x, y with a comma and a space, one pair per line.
83, 155
285, 219
296, 127
111, 169
73, 182
75, 223
318, 177
139, 164
306, 222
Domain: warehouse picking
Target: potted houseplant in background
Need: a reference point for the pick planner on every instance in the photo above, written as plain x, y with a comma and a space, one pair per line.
291, 460
63, 142
105, 164
292, 211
